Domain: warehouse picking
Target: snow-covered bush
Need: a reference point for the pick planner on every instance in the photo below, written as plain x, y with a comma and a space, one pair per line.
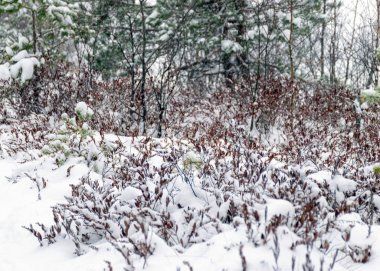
148, 192
139, 197
23, 136
24, 66
73, 138
220, 178
371, 96
21, 69
16, 64
192, 161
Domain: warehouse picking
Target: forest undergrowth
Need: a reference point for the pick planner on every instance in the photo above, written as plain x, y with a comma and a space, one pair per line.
265, 159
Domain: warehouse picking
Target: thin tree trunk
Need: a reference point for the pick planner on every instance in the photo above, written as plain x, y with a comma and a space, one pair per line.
34, 25
333, 48
377, 43
349, 53
258, 70
323, 42
133, 76
242, 57
293, 89
227, 65
290, 44
143, 68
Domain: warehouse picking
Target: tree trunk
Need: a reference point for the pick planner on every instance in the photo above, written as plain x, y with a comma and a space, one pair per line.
290, 43
143, 68
349, 53
323, 42
377, 42
333, 46
34, 25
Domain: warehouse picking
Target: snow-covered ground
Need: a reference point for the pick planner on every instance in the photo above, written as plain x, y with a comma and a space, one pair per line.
19, 250
231, 248
19, 206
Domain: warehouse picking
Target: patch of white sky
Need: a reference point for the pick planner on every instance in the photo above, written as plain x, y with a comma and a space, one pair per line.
148, 2
365, 12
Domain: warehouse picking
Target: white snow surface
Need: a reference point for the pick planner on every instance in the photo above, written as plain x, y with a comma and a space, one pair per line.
26, 67
20, 55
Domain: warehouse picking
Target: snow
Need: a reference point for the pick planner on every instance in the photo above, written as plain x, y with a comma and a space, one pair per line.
20, 55
336, 183
82, 109
343, 184
364, 106
26, 66
350, 218
22, 204
231, 46
369, 92
147, 2
286, 33
359, 236
24, 63
22, 41
9, 51
279, 207
62, 13
16, 211
5, 74
154, 15
164, 37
